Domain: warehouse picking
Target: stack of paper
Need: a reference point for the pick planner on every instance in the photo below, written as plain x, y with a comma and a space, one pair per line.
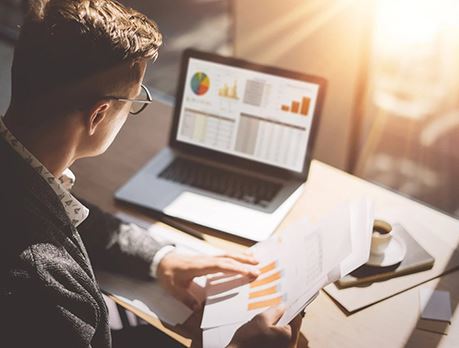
294, 266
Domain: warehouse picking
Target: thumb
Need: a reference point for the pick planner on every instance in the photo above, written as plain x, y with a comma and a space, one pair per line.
273, 314
295, 325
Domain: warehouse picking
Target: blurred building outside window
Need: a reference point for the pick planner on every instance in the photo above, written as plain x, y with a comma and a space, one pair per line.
410, 139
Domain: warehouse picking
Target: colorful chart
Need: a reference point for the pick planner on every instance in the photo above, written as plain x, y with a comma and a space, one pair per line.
200, 83
228, 91
297, 107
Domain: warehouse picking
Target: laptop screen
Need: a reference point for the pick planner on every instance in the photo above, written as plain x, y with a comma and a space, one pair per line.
246, 113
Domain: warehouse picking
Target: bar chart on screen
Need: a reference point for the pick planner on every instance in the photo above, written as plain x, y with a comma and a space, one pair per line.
229, 91
300, 108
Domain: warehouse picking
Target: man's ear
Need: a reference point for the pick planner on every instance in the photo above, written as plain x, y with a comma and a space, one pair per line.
96, 115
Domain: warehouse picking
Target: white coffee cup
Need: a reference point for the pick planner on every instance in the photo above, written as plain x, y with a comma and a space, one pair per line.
381, 237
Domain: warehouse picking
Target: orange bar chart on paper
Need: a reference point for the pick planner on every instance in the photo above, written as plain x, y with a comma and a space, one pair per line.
269, 267
265, 303
269, 279
265, 291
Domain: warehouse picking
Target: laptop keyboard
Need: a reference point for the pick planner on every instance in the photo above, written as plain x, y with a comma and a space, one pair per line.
234, 185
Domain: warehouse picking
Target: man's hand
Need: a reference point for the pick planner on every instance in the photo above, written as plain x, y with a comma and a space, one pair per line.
176, 271
261, 331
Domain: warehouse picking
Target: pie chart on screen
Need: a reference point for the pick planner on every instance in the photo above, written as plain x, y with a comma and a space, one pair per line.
200, 83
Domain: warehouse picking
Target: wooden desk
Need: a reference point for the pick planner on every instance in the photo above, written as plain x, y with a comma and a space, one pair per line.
390, 323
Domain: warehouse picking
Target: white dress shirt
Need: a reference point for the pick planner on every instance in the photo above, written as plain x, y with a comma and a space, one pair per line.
76, 211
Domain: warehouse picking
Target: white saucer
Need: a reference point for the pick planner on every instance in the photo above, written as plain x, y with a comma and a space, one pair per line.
394, 253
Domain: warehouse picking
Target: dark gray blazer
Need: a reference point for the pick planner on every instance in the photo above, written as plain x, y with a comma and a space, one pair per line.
48, 294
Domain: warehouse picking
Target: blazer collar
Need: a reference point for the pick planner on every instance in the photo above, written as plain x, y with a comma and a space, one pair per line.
23, 182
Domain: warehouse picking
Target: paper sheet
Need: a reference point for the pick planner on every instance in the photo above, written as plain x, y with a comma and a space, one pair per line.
360, 240
220, 336
294, 267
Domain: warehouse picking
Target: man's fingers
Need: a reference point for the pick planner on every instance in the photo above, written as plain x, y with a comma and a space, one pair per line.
243, 258
225, 265
296, 322
273, 314
285, 332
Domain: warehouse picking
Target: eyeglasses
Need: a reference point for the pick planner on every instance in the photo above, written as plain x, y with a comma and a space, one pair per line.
138, 105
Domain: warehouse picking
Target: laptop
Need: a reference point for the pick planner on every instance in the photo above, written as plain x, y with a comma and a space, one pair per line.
239, 149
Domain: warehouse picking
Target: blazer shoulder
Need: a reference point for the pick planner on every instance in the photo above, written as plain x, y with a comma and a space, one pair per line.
49, 301
48, 272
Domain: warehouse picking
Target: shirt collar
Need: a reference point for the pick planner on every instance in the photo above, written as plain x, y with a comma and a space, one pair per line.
76, 211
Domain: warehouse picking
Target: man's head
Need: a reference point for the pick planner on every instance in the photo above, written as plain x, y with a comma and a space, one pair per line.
70, 56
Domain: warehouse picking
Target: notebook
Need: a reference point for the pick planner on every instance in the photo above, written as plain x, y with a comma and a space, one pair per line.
417, 259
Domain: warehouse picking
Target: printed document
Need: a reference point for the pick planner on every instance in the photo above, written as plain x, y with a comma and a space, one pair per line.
294, 266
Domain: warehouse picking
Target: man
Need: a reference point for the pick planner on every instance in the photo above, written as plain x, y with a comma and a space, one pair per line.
76, 76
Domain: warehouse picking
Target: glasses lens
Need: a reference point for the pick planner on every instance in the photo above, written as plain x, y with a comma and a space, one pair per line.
143, 94
136, 107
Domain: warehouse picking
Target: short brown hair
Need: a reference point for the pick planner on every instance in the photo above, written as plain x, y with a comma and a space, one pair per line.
64, 41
